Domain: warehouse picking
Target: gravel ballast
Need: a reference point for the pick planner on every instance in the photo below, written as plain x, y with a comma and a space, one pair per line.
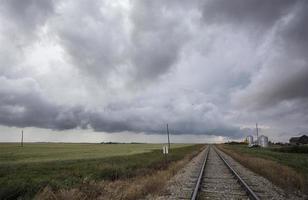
182, 184
263, 187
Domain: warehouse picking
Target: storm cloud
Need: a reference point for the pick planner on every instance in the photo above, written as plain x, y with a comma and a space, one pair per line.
212, 67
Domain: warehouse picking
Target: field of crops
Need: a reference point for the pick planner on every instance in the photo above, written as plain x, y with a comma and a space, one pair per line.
26, 170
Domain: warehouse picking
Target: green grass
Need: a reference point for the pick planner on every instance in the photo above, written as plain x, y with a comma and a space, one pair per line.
39, 152
286, 170
63, 166
297, 161
292, 149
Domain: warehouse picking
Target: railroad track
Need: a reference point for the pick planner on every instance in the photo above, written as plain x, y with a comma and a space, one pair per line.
218, 180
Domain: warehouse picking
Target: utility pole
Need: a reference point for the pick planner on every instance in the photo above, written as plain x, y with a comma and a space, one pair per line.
257, 130
168, 137
22, 138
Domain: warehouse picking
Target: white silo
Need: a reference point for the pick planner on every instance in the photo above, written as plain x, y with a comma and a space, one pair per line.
263, 141
250, 140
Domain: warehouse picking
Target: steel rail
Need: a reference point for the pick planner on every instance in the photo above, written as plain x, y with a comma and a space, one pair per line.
251, 194
197, 186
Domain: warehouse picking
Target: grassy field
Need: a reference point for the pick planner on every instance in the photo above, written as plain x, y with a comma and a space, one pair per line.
291, 149
297, 161
289, 170
26, 170
41, 152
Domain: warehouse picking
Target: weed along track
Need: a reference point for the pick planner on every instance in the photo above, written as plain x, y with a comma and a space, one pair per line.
217, 180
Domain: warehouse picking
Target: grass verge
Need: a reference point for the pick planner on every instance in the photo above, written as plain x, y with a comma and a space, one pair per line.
46, 152
128, 189
289, 178
292, 149
24, 180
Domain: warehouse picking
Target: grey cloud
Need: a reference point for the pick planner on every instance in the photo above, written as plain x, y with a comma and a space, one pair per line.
274, 86
284, 72
153, 118
277, 91
157, 36
24, 105
144, 43
295, 33
23, 17
291, 88
256, 14
20, 22
238, 62
92, 35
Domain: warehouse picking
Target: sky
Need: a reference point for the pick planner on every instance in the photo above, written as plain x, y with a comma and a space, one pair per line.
120, 70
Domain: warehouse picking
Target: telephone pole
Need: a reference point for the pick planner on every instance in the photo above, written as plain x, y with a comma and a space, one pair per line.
22, 138
257, 130
168, 137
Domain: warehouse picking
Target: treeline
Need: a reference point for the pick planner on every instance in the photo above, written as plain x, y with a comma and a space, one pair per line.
122, 143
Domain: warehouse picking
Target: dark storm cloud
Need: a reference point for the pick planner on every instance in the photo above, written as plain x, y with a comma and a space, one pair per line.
295, 33
25, 16
93, 36
283, 73
135, 119
22, 104
278, 87
250, 13
277, 94
20, 22
144, 43
26, 106
121, 66
157, 36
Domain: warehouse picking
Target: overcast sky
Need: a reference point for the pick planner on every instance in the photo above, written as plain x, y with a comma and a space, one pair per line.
120, 70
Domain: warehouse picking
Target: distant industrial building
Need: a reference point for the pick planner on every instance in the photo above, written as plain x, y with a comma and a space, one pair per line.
261, 141
299, 140
250, 140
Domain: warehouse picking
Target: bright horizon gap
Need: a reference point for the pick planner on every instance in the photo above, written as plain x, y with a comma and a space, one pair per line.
86, 136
